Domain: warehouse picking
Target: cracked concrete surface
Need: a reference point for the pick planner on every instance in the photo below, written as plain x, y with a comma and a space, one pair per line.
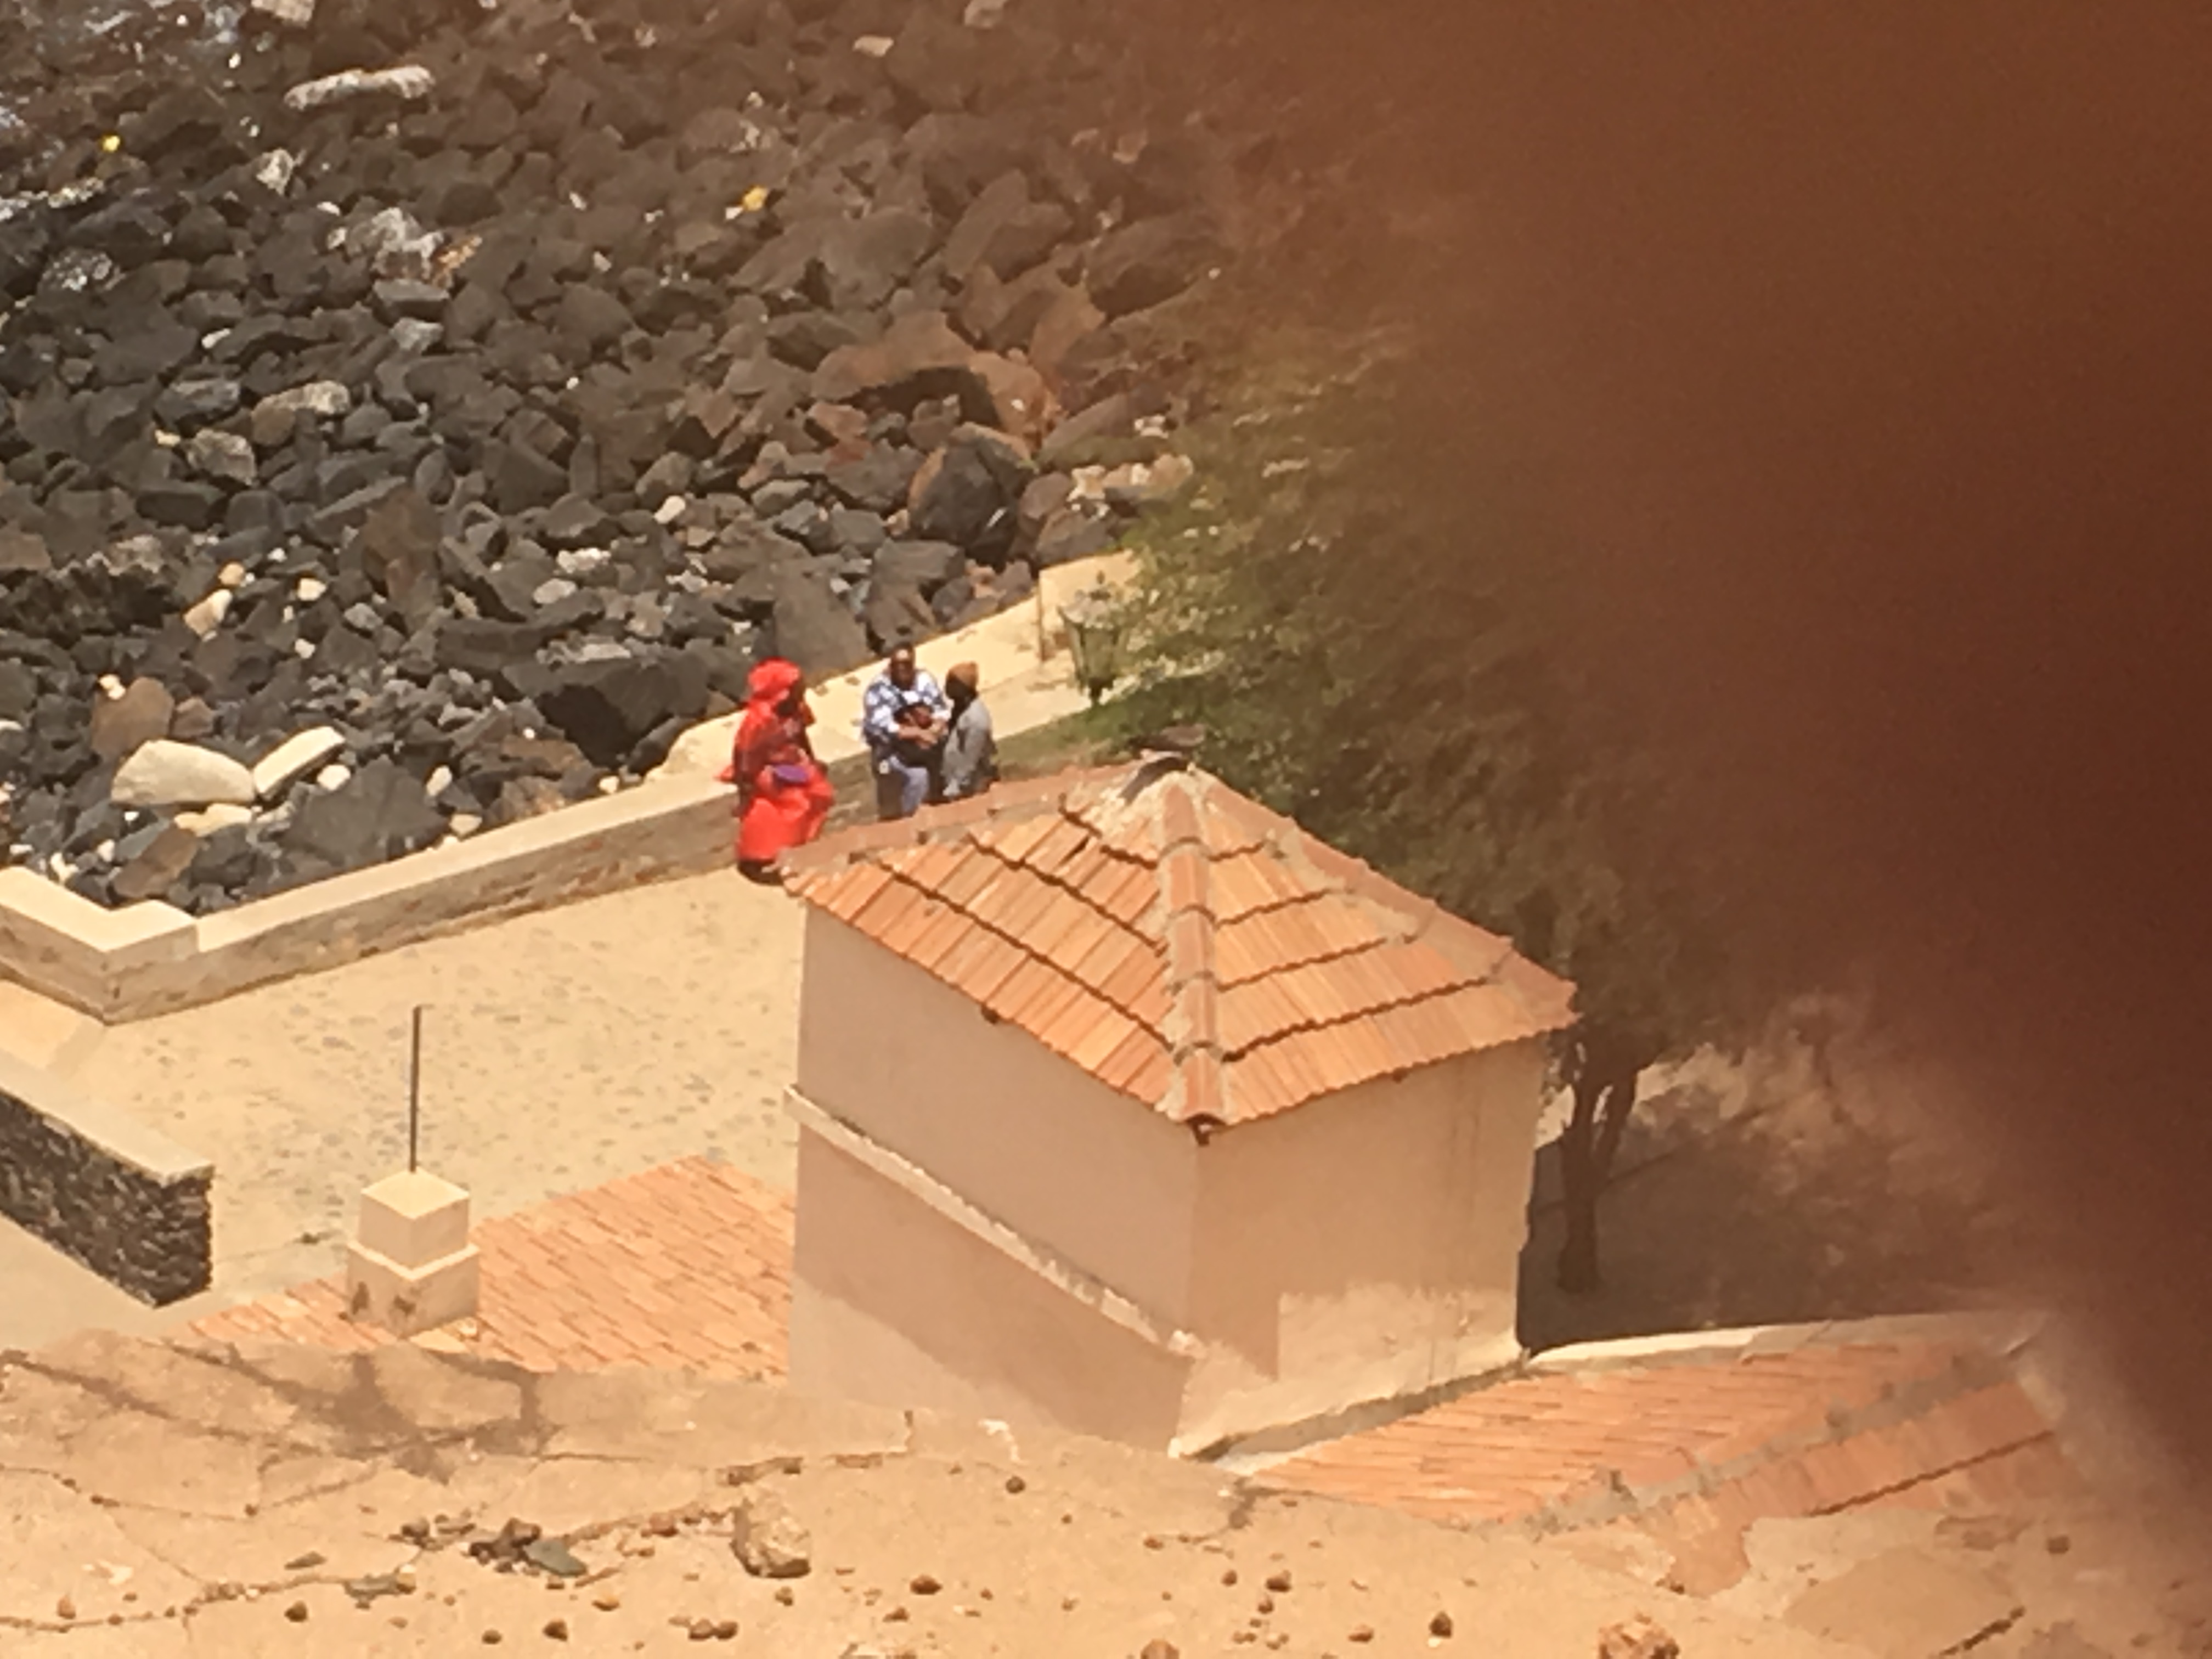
198, 1498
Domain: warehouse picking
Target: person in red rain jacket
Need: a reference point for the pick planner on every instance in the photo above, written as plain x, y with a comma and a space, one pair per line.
783, 794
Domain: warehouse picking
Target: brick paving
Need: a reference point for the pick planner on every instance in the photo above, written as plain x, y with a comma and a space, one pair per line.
685, 1267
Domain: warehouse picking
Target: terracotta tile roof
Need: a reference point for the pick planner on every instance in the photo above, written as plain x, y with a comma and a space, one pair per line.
1692, 1452
1179, 942
685, 1267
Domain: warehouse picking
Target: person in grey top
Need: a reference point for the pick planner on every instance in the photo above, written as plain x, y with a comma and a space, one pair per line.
970, 762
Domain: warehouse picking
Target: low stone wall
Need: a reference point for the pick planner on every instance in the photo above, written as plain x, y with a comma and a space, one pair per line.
130, 1204
151, 958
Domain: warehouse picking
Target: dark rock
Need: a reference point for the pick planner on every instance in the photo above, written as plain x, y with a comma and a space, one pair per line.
968, 492
812, 626
521, 478
920, 355
23, 553
157, 868
1005, 231
864, 261
192, 402
1149, 263
142, 714
463, 202
183, 503
18, 689
494, 650
381, 812
223, 860
397, 548
399, 297
1069, 534
608, 707
156, 347
876, 480
590, 320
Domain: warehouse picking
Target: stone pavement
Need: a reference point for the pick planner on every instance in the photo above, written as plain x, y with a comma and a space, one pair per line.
686, 1267
230, 1501
561, 1050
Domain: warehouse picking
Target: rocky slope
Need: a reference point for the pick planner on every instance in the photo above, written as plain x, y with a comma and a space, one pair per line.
418, 414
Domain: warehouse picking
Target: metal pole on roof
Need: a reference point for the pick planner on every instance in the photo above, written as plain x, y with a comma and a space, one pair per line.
415, 1092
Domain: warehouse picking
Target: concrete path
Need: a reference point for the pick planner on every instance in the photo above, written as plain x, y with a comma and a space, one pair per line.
562, 1050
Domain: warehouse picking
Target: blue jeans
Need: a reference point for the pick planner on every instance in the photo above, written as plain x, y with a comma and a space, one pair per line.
902, 788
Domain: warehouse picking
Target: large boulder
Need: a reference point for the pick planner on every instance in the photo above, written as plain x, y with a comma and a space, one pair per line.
607, 708
968, 492
812, 626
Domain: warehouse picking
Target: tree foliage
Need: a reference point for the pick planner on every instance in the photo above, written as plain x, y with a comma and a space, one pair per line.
1401, 681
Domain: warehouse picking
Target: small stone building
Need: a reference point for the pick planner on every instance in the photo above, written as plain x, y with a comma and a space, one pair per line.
1129, 1108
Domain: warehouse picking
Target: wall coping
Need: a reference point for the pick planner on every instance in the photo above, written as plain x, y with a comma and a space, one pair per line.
138, 960
115, 1132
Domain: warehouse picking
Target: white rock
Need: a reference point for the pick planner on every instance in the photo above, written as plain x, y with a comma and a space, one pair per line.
608, 786
395, 244
669, 510
326, 400
333, 776
207, 615
274, 171
440, 781
297, 14
302, 649
106, 851
111, 686
222, 455
308, 589
552, 591
232, 574
209, 819
984, 14
463, 823
166, 773
875, 46
413, 337
410, 81
293, 759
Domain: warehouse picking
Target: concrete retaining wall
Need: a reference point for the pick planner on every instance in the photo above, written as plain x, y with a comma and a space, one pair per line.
130, 1204
147, 959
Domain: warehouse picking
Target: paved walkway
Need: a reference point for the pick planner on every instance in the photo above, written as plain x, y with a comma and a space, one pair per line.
686, 1267
562, 1050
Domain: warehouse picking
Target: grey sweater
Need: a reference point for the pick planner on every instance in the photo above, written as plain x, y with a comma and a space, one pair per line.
971, 753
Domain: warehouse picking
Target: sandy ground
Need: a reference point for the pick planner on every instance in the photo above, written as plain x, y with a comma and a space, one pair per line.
559, 1050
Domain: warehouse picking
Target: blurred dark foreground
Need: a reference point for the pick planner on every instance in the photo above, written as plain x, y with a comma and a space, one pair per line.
1858, 358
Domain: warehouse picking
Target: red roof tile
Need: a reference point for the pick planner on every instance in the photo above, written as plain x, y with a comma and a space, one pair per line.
1118, 915
1705, 1444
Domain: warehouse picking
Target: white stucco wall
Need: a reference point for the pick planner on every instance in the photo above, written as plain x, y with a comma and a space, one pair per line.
1018, 1132
1358, 1248
1363, 1247
894, 1304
